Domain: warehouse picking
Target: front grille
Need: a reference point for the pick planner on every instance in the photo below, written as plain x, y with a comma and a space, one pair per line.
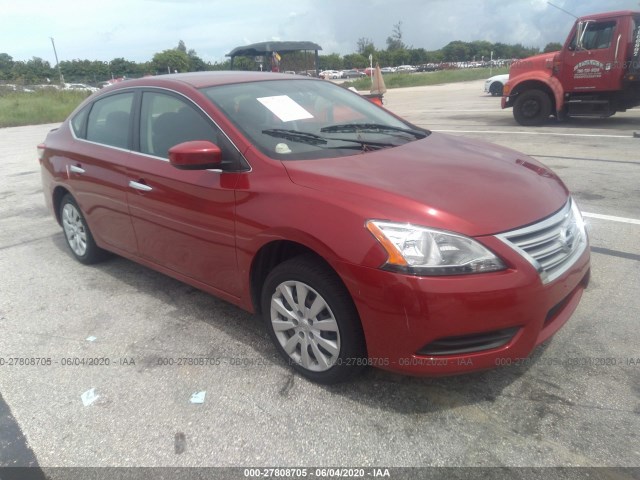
551, 245
469, 343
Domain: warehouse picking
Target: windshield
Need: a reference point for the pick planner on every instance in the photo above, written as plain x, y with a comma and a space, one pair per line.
306, 119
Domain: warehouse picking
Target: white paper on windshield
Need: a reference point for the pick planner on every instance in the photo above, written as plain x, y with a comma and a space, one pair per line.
285, 108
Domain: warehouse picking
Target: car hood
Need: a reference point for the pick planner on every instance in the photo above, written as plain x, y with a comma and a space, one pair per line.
502, 78
442, 181
536, 63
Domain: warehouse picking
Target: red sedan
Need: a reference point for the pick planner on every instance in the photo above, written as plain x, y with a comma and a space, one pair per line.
361, 239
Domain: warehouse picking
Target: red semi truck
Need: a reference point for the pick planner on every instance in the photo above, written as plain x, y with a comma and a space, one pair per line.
597, 73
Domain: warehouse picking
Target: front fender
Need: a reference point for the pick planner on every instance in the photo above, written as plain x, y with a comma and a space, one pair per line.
530, 80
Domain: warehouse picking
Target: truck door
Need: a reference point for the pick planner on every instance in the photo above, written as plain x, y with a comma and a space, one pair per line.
590, 62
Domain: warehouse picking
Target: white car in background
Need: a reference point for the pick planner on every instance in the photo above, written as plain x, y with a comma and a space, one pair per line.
80, 86
495, 84
330, 74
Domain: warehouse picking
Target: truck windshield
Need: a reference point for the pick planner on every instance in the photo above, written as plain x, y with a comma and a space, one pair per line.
309, 119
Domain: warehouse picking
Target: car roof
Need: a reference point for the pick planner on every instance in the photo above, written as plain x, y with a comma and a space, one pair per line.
204, 79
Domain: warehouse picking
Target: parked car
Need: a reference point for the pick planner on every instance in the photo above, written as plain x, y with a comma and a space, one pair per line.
332, 74
388, 70
495, 84
405, 69
80, 86
353, 74
360, 238
428, 67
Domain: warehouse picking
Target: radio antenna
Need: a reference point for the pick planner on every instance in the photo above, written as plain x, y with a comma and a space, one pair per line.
560, 8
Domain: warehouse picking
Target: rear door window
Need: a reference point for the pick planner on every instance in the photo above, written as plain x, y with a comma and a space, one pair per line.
109, 120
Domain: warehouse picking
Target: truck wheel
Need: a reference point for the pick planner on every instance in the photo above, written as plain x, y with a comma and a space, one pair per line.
496, 89
532, 107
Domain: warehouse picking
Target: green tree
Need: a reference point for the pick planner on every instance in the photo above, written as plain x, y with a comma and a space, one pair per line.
172, 60
501, 50
196, 64
418, 56
365, 47
181, 47
394, 42
119, 67
32, 71
456, 51
552, 47
480, 49
6, 64
332, 61
355, 60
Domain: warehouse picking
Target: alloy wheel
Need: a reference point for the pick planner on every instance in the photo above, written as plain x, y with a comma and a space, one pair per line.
305, 326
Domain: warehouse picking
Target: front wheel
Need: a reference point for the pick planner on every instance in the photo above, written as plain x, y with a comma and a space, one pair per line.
312, 320
532, 107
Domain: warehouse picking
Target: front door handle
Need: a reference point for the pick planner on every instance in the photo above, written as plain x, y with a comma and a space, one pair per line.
140, 186
76, 169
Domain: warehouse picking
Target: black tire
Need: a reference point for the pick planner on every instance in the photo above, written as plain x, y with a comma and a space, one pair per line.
329, 354
496, 89
77, 234
532, 107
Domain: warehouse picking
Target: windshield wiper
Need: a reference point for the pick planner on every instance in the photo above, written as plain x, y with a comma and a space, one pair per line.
296, 136
373, 127
313, 139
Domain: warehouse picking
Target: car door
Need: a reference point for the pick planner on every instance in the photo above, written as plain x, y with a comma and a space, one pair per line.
184, 220
592, 66
96, 169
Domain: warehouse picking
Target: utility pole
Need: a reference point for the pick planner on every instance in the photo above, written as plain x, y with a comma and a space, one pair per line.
57, 62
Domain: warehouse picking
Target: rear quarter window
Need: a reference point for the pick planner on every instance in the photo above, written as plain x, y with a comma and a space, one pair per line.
78, 122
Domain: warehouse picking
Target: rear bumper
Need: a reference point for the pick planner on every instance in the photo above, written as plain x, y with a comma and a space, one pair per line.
453, 325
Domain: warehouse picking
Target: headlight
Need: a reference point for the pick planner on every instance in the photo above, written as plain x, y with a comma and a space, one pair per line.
427, 251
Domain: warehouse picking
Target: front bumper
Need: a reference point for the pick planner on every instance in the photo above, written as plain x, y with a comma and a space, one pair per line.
465, 323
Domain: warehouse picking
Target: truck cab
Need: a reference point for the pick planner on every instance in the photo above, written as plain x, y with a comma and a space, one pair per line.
597, 73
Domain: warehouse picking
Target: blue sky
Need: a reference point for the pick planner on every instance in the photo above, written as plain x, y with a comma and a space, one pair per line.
136, 29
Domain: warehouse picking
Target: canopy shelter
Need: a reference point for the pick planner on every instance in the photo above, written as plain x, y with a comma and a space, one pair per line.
272, 50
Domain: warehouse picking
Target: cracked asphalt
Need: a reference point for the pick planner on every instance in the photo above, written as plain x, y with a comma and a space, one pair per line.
575, 402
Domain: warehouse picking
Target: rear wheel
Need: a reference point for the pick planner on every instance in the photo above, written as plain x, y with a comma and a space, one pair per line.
532, 107
77, 233
312, 320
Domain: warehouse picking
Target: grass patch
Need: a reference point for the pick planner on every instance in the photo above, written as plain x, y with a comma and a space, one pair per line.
41, 106
399, 80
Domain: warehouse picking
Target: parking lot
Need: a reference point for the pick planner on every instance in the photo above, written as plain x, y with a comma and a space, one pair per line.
576, 402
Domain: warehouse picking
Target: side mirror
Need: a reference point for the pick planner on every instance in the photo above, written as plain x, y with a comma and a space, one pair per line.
195, 155
581, 30
579, 35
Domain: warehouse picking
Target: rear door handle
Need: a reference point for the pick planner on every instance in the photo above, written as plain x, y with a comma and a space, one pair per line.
76, 169
140, 186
